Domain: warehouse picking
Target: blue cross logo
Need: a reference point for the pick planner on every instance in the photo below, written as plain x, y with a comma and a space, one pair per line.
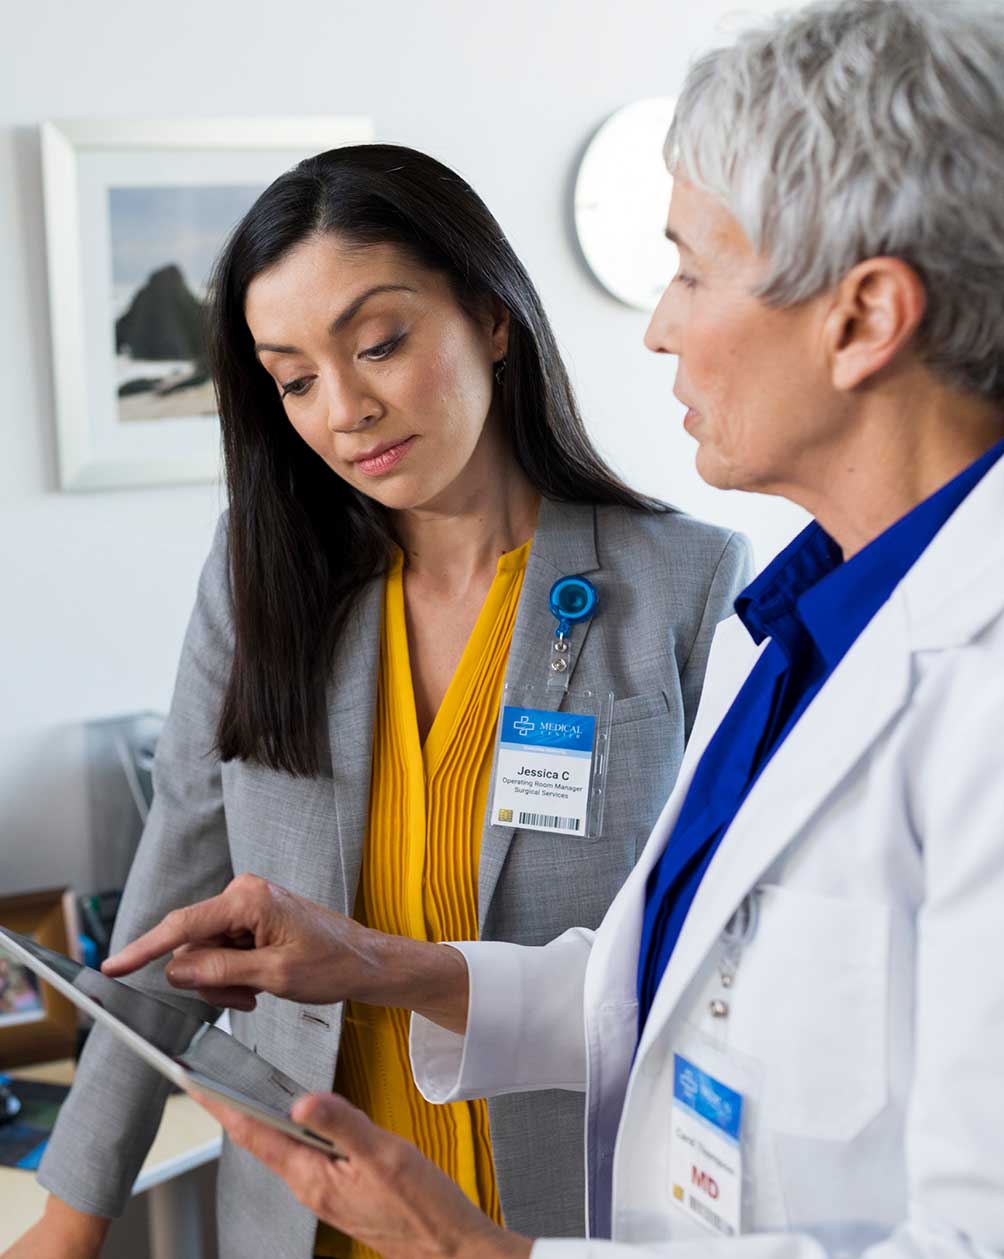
524, 726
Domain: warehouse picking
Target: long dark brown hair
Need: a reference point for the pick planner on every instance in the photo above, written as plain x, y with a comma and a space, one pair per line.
303, 543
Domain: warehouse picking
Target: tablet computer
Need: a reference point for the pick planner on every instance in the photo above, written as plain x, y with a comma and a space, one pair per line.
193, 1054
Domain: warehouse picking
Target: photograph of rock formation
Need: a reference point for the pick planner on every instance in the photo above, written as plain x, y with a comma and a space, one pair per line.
164, 242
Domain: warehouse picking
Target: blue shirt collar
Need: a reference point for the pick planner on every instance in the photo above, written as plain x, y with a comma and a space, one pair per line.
808, 590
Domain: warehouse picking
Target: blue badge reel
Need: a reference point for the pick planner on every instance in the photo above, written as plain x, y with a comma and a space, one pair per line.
572, 601
552, 743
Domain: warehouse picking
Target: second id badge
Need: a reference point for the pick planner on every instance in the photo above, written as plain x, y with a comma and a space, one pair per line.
715, 1095
550, 767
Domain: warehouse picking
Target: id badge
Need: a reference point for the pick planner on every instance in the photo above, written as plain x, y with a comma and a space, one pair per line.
550, 767
711, 1116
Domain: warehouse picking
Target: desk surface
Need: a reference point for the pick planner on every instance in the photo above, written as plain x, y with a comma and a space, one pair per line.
187, 1138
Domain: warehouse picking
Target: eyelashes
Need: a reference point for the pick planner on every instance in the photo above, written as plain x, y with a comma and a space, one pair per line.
295, 387
377, 353
374, 354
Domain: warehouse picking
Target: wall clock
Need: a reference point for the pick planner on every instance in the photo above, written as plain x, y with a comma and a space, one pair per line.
621, 198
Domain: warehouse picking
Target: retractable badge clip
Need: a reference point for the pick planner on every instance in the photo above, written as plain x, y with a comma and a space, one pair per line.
551, 760
572, 601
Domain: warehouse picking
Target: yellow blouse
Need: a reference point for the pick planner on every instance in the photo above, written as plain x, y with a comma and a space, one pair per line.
419, 874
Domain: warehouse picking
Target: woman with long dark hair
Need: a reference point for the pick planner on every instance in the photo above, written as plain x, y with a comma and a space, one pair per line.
408, 478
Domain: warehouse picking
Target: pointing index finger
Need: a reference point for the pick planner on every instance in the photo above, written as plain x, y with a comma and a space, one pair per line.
201, 921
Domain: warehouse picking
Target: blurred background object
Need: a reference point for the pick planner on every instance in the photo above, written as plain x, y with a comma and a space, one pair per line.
36, 1022
119, 752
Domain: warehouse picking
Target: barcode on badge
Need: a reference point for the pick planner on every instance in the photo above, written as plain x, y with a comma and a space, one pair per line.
546, 819
712, 1217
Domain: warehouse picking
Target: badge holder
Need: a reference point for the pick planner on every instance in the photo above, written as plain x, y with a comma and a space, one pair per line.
550, 767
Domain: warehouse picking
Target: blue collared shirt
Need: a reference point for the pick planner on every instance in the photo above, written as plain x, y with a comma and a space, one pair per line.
812, 606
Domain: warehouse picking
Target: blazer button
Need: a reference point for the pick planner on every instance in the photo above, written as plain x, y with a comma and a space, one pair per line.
719, 1008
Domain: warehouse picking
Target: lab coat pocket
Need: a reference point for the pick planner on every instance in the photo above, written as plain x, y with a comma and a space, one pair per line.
811, 1003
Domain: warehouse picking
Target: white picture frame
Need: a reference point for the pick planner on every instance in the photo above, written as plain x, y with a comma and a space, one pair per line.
93, 171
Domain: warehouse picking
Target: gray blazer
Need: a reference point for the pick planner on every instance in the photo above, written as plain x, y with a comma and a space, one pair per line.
664, 581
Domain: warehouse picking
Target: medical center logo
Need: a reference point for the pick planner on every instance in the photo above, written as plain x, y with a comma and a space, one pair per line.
538, 728
688, 1086
708, 1097
717, 1108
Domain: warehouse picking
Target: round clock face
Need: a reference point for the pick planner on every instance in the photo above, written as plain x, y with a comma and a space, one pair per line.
621, 198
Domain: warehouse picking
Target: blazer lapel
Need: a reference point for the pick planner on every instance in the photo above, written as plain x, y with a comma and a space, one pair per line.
868, 689
564, 545
352, 692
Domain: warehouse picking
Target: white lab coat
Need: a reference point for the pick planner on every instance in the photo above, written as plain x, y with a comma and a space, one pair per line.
871, 996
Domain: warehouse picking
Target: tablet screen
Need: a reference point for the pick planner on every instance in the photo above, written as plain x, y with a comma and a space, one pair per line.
203, 1050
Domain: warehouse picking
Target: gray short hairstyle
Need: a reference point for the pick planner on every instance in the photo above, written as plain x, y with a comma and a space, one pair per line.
852, 129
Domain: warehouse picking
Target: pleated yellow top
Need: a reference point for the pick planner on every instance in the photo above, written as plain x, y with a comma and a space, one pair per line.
419, 875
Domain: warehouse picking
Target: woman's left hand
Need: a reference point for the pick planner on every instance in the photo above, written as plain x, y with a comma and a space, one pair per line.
383, 1192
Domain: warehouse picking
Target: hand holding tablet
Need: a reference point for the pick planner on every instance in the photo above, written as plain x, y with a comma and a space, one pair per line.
383, 1192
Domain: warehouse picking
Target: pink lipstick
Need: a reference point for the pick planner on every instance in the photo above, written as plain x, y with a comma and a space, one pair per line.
382, 458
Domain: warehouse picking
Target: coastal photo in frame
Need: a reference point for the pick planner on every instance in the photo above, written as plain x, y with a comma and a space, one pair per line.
37, 1024
136, 213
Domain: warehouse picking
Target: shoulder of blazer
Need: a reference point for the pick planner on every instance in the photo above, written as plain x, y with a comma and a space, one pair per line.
614, 537
663, 569
216, 563
689, 569
663, 540
215, 585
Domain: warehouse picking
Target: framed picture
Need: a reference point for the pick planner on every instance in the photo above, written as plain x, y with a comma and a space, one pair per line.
136, 212
36, 1023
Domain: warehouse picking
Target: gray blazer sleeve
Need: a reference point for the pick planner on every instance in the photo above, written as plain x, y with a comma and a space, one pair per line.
111, 1116
732, 574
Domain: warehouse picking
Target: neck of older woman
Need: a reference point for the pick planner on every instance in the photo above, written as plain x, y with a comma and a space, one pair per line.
898, 450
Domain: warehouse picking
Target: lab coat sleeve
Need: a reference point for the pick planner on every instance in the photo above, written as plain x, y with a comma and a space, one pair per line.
524, 1023
953, 1151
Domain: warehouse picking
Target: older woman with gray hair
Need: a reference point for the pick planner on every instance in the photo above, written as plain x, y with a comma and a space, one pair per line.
789, 1027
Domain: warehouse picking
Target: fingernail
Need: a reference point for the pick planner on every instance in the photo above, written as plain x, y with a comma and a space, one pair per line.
181, 976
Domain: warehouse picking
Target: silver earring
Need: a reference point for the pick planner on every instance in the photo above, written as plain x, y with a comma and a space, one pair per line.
499, 371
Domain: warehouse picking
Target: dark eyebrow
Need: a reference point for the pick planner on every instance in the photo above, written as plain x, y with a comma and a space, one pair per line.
342, 320
353, 309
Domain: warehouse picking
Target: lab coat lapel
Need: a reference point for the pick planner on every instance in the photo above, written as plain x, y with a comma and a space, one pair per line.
352, 693
612, 976
864, 694
614, 961
564, 544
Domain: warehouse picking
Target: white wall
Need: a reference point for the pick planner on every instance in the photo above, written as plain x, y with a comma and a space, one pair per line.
95, 589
